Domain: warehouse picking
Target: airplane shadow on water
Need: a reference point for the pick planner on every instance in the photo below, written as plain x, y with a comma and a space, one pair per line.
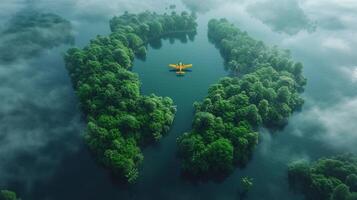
180, 75
186, 70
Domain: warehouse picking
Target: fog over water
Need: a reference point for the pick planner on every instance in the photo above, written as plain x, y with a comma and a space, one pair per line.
42, 155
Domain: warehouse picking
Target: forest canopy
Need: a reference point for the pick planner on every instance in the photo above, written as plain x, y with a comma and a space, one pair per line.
8, 195
120, 119
263, 91
332, 178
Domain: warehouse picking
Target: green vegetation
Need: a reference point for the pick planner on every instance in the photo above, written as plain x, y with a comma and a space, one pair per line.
8, 195
28, 33
247, 183
332, 178
265, 91
120, 119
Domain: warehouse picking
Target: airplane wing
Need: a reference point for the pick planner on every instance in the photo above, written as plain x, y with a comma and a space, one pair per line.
173, 66
187, 66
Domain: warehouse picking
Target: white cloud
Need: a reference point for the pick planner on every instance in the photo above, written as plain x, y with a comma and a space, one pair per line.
338, 44
206, 5
336, 125
37, 110
350, 73
92, 9
332, 11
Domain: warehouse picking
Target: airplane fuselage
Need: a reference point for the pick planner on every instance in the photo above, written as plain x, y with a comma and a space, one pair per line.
180, 67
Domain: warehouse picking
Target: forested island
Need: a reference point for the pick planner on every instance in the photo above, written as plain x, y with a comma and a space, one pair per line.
263, 91
333, 178
120, 119
8, 195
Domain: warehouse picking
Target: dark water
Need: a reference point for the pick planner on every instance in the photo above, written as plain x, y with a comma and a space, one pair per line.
42, 155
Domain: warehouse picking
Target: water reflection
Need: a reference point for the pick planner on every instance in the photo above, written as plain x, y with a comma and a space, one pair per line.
39, 119
182, 37
41, 152
38, 111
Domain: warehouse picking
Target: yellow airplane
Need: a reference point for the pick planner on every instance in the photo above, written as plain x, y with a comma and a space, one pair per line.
180, 68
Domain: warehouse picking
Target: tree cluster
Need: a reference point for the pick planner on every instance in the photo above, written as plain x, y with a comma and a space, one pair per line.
8, 195
333, 178
247, 183
120, 119
147, 26
264, 90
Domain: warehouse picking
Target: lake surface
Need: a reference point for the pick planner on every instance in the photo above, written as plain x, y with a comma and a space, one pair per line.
42, 155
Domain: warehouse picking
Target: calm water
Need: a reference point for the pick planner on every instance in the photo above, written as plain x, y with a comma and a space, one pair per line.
42, 155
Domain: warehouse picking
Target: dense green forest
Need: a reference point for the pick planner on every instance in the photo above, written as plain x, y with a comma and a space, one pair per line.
8, 195
264, 90
333, 178
120, 119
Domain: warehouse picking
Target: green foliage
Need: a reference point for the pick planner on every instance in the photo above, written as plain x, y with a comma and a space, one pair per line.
247, 183
351, 181
220, 155
265, 91
7, 195
341, 192
352, 196
120, 119
328, 178
148, 26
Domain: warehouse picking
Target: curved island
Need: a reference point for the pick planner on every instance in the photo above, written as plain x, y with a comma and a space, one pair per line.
333, 178
120, 119
263, 90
